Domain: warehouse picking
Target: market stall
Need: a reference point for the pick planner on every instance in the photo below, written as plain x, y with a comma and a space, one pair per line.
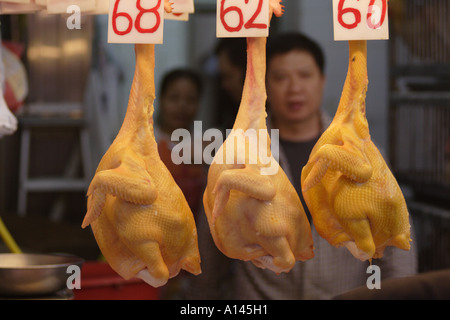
84, 170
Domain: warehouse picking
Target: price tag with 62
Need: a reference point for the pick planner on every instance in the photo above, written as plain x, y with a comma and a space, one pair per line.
242, 18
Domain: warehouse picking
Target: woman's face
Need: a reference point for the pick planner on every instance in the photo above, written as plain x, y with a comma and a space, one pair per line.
179, 104
294, 87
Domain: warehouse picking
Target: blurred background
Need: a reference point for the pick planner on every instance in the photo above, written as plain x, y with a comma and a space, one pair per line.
78, 88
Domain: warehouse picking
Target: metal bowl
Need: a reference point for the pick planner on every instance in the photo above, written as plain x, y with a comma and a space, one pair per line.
24, 274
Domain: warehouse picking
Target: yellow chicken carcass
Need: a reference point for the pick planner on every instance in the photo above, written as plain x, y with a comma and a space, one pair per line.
352, 195
139, 216
253, 211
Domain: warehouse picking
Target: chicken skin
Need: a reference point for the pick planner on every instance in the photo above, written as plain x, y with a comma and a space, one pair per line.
139, 216
352, 195
253, 211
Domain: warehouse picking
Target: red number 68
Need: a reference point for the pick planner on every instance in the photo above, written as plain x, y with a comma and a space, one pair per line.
137, 22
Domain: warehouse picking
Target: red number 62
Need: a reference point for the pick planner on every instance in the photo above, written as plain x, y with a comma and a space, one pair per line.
248, 25
357, 15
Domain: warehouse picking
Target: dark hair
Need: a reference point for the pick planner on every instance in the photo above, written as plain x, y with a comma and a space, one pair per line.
179, 74
285, 42
236, 50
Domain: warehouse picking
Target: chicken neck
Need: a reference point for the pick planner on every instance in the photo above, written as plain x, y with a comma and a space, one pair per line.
352, 106
142, 94
252, 110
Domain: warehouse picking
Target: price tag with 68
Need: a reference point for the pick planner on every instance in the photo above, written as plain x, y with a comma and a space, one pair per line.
136, 21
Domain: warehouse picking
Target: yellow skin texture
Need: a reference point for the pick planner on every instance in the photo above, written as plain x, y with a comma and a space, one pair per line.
255, 216
352, 195
139, 216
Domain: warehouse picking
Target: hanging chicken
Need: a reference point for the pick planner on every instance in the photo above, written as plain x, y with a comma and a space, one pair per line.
140, 218
353, 197
253, 211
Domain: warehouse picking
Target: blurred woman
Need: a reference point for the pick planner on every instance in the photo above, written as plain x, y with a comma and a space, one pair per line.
180, 95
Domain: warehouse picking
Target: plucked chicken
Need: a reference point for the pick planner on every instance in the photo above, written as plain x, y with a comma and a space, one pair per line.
139, 216
353, 197
253, 211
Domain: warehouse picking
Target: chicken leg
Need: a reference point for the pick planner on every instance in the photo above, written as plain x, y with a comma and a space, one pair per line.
253, 211
352, 195
140, 218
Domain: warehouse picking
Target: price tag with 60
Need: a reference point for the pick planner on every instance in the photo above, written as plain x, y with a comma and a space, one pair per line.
242, 18
136, 21
360, 19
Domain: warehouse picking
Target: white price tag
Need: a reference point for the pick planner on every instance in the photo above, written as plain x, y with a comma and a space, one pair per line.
136, 21
180, 10
360, 19
16, 1
242, 18
18, 8
102, 7
176, 16
60, 6
183, 6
